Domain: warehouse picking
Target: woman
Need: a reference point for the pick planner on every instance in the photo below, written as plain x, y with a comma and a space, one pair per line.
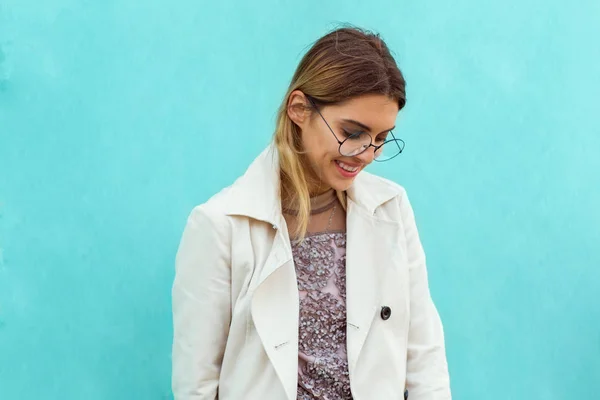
306, 278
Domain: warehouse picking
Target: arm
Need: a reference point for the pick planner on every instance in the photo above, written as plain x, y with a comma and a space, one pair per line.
427, 370
201, 308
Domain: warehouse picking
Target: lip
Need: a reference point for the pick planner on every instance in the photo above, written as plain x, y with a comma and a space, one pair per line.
345, 173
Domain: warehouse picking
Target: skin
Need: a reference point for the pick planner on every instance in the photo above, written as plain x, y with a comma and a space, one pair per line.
375, 111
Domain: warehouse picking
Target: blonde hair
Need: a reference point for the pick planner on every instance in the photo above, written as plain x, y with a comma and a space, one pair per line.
345, 63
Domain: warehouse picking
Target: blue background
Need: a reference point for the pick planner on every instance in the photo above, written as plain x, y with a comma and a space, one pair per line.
117, 117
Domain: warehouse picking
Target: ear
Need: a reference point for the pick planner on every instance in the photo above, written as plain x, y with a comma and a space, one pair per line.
298, 108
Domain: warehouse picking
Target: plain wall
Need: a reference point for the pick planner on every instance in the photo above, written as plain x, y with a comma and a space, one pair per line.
117, 117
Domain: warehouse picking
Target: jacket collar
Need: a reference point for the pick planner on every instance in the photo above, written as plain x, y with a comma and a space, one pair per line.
256, 193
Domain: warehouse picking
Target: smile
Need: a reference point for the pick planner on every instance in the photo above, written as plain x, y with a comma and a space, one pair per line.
347, 167
347, 170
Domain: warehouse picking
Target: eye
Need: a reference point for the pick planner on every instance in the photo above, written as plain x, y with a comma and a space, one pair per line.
381, 139
353, 135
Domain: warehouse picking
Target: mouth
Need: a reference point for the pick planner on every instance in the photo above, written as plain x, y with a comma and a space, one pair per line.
347, 170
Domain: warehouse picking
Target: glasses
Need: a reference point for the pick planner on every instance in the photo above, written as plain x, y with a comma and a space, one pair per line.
358, 143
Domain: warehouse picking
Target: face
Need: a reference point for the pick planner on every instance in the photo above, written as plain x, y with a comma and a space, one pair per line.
374, 115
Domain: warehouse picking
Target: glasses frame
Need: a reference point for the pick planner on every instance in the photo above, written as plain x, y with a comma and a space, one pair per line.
375, 148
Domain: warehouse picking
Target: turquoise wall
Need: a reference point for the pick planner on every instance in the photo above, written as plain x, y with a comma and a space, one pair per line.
117, 117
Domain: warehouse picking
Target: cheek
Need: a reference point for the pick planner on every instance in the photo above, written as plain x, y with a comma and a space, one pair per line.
326, 157
319, 147
322, 160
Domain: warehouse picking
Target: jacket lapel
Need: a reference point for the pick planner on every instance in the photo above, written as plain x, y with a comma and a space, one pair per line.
275, 312
367, 257
275, 302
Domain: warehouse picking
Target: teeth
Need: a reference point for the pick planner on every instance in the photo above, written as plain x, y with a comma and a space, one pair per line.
346, 167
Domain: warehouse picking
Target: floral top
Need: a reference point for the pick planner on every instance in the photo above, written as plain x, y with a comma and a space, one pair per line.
322, 361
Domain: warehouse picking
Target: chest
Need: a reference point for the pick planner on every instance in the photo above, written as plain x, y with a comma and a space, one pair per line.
372, 252
266, 297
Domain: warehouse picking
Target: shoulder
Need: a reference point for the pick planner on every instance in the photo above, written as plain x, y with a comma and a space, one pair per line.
384, 198
378, 190
379, 182
212, 214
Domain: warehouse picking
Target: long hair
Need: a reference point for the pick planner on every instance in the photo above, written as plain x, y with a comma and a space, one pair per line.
345, 63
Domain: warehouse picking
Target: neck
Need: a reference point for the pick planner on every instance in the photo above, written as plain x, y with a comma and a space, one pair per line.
322, 199
318, 191
315, 185
318, 203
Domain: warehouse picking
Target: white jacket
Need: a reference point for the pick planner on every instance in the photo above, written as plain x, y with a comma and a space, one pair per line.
236, 301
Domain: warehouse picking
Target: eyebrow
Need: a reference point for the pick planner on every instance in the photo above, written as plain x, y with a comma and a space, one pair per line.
365, 127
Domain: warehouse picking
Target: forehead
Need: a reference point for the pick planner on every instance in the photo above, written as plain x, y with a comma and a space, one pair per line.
375, 110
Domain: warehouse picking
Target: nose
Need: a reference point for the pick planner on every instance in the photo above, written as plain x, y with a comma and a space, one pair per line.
367, 156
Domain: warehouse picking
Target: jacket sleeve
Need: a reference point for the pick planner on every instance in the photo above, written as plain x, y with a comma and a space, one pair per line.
427, 369
201, 307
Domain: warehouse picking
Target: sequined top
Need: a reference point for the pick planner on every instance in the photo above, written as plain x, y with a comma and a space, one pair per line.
322, 360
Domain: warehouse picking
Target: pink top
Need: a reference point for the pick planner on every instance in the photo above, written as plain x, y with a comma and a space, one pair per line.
322, 361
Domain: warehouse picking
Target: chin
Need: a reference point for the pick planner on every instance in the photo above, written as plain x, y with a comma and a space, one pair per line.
341, 184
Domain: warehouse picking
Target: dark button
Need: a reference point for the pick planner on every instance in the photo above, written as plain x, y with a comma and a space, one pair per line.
386, 313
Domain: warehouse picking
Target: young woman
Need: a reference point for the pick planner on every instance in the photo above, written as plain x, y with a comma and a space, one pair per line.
306, 278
